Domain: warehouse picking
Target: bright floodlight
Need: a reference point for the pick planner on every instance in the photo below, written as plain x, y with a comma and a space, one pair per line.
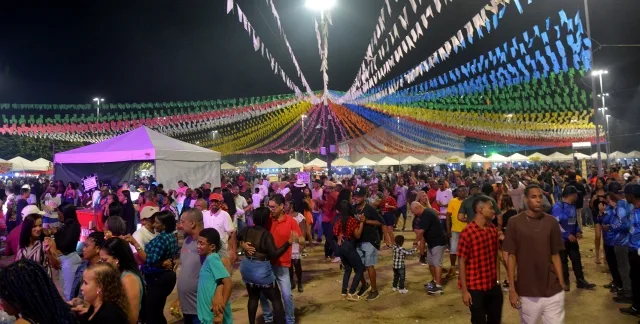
599, 72
320, 5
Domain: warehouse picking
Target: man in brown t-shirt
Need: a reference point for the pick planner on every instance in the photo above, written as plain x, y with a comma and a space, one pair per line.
533, 242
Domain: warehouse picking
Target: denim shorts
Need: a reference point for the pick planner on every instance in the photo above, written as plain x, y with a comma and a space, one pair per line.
368, 253
256, 272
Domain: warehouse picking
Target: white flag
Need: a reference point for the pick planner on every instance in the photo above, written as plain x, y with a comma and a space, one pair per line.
229, 6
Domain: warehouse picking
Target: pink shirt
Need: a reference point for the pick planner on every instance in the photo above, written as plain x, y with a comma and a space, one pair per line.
182, 193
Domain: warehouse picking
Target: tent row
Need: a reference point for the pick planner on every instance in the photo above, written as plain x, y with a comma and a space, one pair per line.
20, 164
431, 160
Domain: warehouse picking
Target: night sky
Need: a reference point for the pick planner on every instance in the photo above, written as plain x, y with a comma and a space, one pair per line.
126, 51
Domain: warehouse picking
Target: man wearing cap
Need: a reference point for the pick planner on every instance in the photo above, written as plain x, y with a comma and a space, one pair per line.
565, 213
620, 210
632, 192
219, 219
13, 239
369, 241
146, 232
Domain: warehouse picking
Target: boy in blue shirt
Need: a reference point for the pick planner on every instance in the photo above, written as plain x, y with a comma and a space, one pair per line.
214, 284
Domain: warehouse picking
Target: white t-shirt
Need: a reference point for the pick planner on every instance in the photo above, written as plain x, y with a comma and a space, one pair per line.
143, 236
221, 221
443, 197
295, 247
264, 191
255, 200
241, 204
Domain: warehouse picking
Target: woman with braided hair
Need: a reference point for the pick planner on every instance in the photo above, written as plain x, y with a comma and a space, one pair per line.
27, 291
105, 300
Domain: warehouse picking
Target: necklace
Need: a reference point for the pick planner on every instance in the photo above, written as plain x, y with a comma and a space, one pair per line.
539, 227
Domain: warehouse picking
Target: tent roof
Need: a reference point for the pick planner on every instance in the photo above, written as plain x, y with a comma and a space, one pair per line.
498, 158
557, 156
538, 157
634, 154
517, 157
477, 158
434, 160
618, 155
140, 144
388, 161
268, 164
603, 155
42, 161
410, 160
317, 163
340, 162
364, 162
581, 156
227, 166
455, 158
21, 164
292, 164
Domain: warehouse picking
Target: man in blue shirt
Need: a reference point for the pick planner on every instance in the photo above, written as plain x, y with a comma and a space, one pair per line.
619, 207
632, 192
565, 212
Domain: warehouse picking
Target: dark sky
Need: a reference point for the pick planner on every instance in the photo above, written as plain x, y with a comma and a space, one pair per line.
71, 51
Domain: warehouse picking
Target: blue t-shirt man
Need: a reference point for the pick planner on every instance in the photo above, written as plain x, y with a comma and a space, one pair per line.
211, 273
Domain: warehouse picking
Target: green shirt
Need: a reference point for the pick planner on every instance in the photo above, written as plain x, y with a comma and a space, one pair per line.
467, 206
211, 273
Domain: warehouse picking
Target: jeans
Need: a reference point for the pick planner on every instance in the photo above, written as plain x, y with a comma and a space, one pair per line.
68, 265
256, 272
622, 258
612, 262
571, 251
241, 225
282, 277
317, 223
486, 306
398, 278
634, 262
159, 286
330, 245
191, 319
351, 261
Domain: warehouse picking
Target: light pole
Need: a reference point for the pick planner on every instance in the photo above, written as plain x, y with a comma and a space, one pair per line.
608, 138
602, 95
302, 118
98, 101
594, 97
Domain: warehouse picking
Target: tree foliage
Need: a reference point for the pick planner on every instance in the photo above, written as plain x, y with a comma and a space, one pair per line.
32, 148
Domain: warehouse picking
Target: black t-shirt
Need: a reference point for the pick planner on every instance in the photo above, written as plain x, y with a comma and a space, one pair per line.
108, 313
370, 233
67, 236
505, 217
581, 193
434, 234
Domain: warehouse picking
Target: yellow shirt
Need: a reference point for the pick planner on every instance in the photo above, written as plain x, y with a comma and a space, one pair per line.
454, 208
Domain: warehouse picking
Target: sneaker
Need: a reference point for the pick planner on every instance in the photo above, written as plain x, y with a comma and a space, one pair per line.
343, 296
505, 285
622, 299
616, 290
373, 296
364, 289
300, 288
610, 285
394, 289
423, 260
630, 311
353, 297
583, 284
336, 260
403, 291
435, 290
430, 284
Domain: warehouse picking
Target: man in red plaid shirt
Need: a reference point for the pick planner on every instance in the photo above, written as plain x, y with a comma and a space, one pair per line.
479, 264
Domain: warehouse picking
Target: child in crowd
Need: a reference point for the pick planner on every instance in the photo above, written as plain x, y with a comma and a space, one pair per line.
296, 253
256, 198
214, 283
399, 271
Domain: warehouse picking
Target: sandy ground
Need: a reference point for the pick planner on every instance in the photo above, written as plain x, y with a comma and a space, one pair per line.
320, 302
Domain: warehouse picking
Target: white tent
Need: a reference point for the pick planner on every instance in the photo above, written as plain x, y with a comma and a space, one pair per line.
538, 157
227, 166
434, 160
316, 163
364, 162
581, 156
410, 160
340, 162
116, 159
42, 162
633, 155
498, 158
387, 161
292, 164
477, 158
557, 156
268, 164
603, 155
19, 164
456, 159
517, 157
617, 155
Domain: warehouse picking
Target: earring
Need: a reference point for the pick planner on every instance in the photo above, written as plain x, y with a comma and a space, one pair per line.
99, 292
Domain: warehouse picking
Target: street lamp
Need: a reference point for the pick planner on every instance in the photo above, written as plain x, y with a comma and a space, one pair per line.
98, 101
320, 5
302, 118
608, 137
599, 73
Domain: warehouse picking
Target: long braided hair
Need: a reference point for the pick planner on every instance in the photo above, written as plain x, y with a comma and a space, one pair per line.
108, 279
26, 286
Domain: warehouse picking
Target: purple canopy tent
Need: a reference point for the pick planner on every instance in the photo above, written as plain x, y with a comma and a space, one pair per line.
116, 159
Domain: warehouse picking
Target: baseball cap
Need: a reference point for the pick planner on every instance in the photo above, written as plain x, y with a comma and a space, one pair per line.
440, 182
26, 186
148, 211
216, 196
474, 185
360, 191
615, 187
569, 190
31, 209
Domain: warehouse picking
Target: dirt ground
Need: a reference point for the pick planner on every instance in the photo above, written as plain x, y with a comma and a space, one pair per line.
320, 302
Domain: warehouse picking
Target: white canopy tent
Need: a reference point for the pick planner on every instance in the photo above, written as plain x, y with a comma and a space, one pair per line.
20, 164
227, 166
42, 162
364, 162
316, 163
498, 158
618, 155
634, 155
477, 159
456, 159
268, 164
340, 162
557, 156
434, 160
410, 160
388, 161
581, 156
517, 157
538, 157
116, 159
603, 155
292, 164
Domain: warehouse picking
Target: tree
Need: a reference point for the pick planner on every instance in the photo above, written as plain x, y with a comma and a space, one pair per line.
32, 148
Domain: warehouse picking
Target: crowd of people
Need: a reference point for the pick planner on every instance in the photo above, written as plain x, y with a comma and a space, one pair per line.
526, 220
